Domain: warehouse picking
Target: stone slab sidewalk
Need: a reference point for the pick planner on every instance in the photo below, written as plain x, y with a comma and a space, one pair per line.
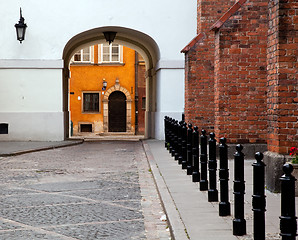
190, 214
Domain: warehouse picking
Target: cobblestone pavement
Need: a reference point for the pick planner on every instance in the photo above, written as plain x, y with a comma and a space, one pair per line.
96, 190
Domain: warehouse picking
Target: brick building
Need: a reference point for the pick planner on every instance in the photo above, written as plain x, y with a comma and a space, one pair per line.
241, 76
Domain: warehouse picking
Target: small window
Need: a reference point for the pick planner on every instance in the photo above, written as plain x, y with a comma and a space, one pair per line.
85, 127
91, 102
110, 53
3, 128
143, 102
83, 55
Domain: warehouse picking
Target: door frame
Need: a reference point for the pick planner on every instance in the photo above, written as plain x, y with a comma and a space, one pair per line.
118, 110
105, 102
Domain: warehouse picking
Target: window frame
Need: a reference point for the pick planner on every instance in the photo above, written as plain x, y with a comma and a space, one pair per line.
90, 59
111, 61
99, 102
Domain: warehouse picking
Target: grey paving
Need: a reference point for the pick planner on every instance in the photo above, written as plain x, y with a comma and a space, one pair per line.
105, 190
190, 214
95, 190
8, 148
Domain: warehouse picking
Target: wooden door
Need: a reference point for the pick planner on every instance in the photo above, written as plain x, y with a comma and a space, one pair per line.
117, 112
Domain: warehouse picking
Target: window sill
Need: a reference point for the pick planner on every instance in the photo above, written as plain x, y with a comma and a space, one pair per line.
81, 64
91, 112
110, 64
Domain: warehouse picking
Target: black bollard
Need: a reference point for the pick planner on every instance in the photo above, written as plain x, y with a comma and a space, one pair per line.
166, 131
203, 159
224, 205
258, 197
184, 146
189, 150
177, 141
288, 224
171, 134
212, 192
179, 145
195, 155
175, 138
239, 223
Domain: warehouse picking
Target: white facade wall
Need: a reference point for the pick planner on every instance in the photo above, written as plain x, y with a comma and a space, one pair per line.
31, 73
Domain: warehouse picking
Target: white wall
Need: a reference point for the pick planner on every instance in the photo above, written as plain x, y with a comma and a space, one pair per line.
37, 87
169, 98
171, 23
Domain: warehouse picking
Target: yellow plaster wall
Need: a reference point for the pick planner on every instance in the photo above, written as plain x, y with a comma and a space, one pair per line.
90, 77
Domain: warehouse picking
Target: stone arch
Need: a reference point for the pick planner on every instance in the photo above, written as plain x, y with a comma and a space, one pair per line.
105, 101
131, 38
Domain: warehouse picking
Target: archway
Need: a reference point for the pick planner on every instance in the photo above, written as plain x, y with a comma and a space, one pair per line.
133, 39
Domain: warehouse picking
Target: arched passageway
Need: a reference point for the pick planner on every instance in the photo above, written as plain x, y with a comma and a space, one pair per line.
133, 39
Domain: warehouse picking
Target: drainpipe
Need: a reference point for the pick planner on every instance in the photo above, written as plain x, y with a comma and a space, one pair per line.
136, 93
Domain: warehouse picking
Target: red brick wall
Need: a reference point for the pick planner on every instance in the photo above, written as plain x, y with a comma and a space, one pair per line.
282, 76
243, 80
240, 75
199, 84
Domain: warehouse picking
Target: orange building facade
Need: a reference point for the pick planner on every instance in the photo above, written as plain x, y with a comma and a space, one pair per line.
107, 91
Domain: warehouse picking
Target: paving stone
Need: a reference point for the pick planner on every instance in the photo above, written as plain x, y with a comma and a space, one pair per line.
96, 190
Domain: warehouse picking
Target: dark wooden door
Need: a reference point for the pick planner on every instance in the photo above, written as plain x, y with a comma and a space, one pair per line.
117, 112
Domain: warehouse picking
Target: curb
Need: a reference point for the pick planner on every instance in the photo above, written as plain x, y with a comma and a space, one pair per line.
176, 225
65, 144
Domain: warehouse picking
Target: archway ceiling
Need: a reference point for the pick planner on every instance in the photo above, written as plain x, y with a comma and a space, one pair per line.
136, 40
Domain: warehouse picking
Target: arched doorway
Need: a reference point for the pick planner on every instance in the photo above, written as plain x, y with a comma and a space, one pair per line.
133, 39
117, 112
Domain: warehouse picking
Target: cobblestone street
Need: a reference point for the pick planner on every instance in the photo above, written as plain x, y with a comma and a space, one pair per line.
95, 190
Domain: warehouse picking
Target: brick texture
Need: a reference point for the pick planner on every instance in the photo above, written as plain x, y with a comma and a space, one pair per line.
199, 84
282, 76
241, 77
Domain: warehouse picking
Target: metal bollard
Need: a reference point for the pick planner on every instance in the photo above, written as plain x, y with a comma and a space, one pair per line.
239, 223
224, 204
212, 192
179, 146
195, 155
189, 150
171, 134
288, 224
166, 131
176, 155
184, 146
258, 197
174, 138
203, 159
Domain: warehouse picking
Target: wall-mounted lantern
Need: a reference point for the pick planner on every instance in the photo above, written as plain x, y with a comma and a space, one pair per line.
21, 28
109, 36
104, 85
